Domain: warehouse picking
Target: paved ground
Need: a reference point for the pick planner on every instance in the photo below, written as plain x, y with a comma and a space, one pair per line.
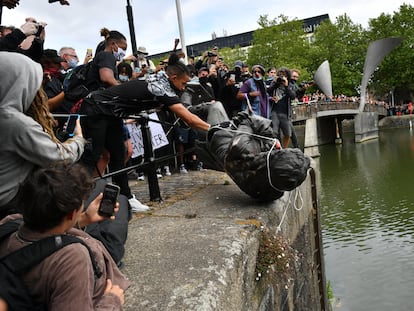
196, 249
177, 186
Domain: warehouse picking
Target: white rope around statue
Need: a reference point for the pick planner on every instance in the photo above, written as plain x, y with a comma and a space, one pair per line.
296, 194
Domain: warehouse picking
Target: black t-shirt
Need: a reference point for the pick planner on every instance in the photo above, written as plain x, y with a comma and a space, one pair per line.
53, 87
132, 97
103, 59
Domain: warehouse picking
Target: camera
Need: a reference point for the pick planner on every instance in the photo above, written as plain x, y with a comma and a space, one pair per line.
280, 80
306, 84
39, 29
211, 54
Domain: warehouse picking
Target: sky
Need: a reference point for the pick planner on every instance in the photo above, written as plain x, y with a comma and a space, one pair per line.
156, 23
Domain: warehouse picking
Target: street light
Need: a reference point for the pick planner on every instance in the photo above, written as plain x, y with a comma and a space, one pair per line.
131, 28
181, 29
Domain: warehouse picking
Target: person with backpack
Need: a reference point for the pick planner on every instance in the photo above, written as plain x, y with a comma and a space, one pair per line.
28, 142
79, 276
103, 74
253, 93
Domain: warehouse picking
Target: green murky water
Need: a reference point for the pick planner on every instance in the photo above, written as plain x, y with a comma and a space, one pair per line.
367, 200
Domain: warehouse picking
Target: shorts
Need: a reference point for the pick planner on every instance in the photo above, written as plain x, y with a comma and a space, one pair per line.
281, 122
184, 135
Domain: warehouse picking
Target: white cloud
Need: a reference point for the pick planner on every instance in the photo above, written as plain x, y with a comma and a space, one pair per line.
156, 23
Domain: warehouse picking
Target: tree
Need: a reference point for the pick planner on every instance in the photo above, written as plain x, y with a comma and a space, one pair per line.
344, 45
231, 55
279, 42
395, 73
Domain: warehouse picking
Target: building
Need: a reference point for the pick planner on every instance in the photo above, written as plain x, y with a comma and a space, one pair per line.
244, 39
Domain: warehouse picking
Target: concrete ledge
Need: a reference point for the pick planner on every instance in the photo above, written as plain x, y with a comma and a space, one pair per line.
200, 252
194, 254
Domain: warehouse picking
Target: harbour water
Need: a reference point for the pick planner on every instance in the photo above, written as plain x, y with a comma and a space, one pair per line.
367, 201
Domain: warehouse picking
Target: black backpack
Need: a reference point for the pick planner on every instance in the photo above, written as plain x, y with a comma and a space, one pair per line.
14, 265
75, 85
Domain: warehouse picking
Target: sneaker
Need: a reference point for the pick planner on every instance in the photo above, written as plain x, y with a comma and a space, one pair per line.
137, 206
141, 176
132, 174
167, 170
200, 166
183, 170
159, 175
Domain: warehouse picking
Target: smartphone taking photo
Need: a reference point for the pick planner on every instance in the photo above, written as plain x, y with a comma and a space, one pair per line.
108, 203
71, 124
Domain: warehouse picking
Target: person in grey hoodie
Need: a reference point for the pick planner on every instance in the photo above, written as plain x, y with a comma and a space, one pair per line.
26, 136
27, 142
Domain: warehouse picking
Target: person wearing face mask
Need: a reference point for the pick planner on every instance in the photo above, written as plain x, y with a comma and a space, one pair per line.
107, 132
52, 79
124, 72
203, 79
70, 59
142, 66
162, 91
282, 92
253, 91
103, 72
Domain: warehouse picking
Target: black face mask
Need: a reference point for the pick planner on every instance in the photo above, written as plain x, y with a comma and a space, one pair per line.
203, 80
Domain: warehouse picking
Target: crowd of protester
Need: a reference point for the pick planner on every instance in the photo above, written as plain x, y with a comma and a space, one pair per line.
33, 88
58, 198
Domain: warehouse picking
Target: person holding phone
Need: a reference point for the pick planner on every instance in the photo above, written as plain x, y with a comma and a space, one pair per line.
141, 65
28, 142
132, 96
27, 139
52, 201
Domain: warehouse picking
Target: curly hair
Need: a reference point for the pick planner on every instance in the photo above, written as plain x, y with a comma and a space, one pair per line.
51, 193
39, 111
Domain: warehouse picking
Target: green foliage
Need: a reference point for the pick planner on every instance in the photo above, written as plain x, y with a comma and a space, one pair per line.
395, 72
157, 60
275, 254
280, 42
231, 55
329, 290
344, 45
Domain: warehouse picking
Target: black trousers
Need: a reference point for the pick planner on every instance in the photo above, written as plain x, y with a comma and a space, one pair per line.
106, 132
112, 233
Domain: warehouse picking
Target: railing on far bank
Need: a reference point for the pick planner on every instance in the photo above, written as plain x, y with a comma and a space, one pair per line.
304, 111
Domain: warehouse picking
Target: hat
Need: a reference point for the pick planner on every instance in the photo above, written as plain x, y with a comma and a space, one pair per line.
142, 50
238, 63
52, 55
260, 67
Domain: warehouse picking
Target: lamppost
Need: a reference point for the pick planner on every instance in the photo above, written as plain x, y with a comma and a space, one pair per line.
131, 28
181, 29
1, 9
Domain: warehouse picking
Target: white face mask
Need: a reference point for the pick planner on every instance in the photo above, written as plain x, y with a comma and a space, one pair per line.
120, 54
123, 78
72, 63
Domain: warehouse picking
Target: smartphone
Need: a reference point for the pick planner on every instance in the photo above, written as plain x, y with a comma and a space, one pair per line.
233, 77
71, 124
110, 197
89, 52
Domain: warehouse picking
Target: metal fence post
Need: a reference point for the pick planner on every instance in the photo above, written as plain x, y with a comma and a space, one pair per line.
149, 157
